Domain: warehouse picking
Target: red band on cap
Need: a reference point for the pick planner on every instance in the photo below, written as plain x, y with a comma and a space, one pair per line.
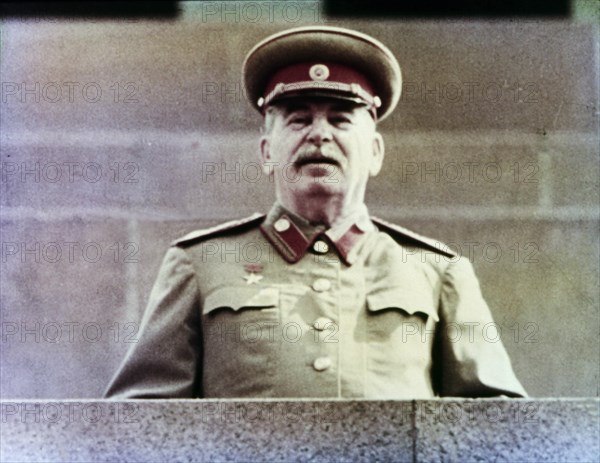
322, 77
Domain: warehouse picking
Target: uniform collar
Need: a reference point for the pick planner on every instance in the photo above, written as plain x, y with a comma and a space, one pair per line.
293, 235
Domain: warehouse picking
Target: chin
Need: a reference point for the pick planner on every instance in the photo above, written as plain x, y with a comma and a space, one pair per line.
318, 187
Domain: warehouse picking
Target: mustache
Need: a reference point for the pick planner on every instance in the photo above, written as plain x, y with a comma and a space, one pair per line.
318, 154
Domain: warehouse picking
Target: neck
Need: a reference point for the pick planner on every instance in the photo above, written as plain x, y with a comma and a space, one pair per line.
327, 211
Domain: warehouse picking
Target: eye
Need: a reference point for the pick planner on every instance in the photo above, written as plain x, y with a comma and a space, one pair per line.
340, 120
298, 120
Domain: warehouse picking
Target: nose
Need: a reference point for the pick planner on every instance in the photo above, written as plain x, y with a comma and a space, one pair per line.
320, 131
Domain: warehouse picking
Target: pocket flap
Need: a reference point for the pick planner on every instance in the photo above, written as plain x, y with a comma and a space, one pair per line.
409, 301
239, 297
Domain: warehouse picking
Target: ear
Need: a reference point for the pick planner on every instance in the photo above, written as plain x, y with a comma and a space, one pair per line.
265, 154
378, 155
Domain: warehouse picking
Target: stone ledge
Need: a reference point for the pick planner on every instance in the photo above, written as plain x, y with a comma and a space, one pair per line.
300, 430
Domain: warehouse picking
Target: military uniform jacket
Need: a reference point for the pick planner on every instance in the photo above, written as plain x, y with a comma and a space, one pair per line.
272, 306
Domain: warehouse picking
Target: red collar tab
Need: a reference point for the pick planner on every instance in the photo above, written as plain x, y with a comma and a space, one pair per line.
292, 243
287, 238
347, 243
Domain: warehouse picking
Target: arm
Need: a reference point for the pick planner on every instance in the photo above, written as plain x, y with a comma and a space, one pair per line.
166, 361
468, 364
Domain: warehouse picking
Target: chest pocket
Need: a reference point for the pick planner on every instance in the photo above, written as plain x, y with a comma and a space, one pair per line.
400, 313
238, 326
242, 303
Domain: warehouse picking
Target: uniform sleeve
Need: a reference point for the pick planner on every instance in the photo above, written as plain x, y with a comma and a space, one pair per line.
471, 360
166, 360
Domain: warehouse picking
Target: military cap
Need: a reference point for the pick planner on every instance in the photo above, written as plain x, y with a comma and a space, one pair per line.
323, 61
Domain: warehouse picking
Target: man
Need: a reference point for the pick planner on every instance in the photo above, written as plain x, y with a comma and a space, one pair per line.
342, 305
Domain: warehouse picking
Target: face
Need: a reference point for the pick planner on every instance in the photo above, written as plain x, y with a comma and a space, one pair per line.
321, 149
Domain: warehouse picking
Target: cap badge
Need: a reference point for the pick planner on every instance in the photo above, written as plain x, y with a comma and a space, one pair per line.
318, 72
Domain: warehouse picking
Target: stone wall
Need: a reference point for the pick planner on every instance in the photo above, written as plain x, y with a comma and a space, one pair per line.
321, 431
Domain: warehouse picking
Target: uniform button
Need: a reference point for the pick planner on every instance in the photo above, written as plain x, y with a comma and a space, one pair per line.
282, 225
321, 285
321, 323
320, 247
322, 363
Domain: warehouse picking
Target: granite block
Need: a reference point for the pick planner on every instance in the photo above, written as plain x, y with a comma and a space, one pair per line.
303, 430
200, 430
507, 431
63, 284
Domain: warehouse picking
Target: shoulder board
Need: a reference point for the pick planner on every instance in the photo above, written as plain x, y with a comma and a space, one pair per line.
233, 225
396, 230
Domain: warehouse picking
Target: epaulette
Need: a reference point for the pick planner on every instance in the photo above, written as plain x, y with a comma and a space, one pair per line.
405, 233
233, 225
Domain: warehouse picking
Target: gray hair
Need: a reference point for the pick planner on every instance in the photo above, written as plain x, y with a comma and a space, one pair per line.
270, 114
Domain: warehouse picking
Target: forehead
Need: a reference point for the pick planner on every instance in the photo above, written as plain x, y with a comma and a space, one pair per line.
319, 104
